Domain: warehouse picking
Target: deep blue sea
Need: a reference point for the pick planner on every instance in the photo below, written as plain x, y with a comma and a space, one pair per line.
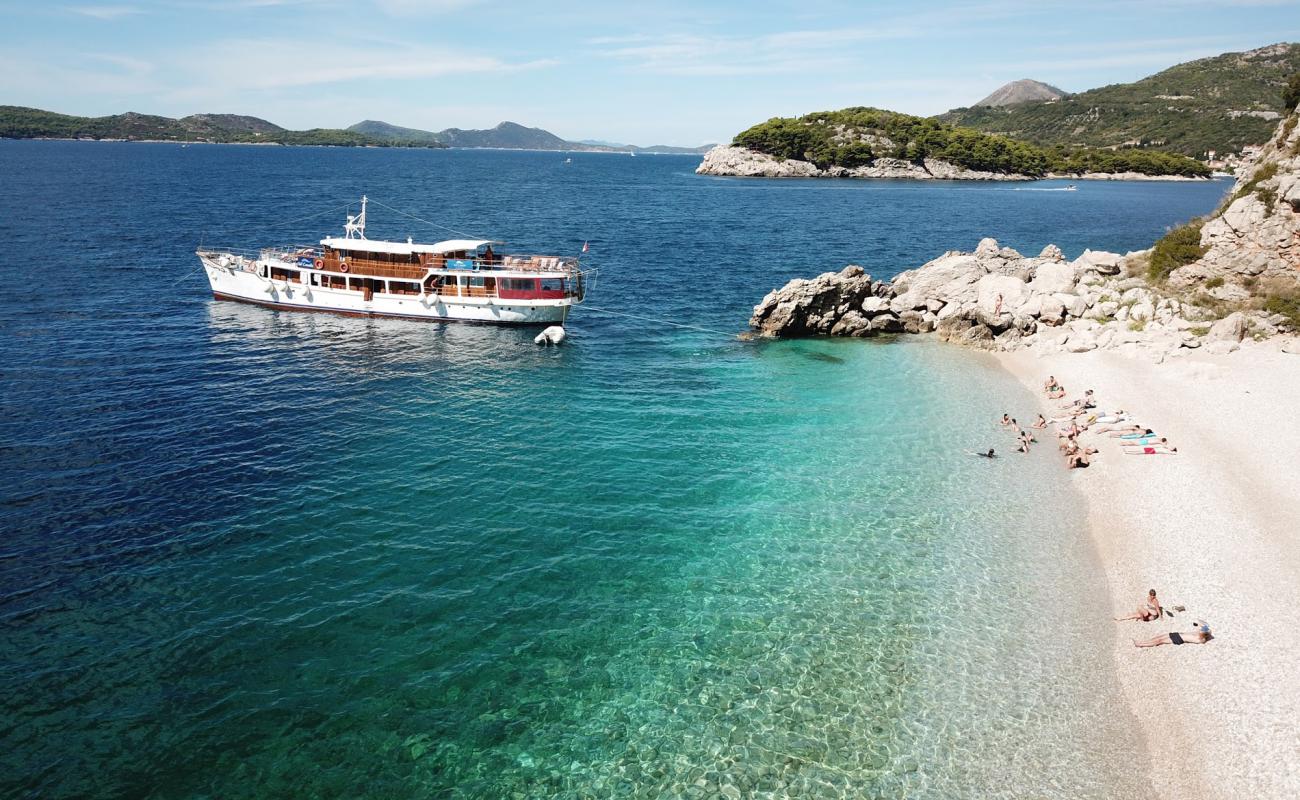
248, 553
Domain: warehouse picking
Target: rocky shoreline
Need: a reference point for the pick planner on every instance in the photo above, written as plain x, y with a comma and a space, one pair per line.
1214, 279
995, 298
729, 160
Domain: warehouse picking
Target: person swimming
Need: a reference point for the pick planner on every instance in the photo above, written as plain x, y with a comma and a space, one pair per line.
989, 454
1005, 421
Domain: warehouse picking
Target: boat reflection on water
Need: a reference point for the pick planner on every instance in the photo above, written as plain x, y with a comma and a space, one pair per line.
328, 342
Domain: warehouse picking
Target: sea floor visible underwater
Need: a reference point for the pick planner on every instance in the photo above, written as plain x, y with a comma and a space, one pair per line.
260, 554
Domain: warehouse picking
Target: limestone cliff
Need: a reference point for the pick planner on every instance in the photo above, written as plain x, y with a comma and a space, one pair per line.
1255, 236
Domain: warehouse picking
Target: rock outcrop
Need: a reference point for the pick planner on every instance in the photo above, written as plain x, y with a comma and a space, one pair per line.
996, 298
743, 162
1255, 236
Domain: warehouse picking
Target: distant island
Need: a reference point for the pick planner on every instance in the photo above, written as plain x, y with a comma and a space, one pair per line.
875, 143
18, 122
1219, 104
508, 136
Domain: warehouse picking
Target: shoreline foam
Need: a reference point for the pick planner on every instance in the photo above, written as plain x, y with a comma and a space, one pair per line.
1213, 529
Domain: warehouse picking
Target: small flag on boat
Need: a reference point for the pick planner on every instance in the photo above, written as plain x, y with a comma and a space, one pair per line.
584, 247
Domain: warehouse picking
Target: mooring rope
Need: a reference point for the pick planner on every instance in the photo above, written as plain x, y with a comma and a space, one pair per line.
422, 219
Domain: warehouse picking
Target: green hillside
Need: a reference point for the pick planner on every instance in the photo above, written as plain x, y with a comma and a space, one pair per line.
1220, 103
383, 130
17, 122
855, 137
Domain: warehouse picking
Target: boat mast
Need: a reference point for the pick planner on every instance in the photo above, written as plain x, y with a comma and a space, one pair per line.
356, 224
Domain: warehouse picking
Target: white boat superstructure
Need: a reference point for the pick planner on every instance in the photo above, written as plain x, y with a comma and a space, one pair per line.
460, 280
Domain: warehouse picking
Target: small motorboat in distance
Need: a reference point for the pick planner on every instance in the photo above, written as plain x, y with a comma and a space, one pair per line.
1071, 187
461, 280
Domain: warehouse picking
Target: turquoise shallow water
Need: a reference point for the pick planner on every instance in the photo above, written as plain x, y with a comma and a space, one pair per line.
253, 554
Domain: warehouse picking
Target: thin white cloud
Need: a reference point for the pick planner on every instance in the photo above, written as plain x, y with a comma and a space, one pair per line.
716, 55
124, 64
413, 8
260, 64
105, 12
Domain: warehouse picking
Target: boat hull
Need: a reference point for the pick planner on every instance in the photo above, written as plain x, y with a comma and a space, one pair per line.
231, 283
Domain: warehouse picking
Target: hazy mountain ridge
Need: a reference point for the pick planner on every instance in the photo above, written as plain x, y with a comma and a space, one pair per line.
510, 136
18, 122
1220, 103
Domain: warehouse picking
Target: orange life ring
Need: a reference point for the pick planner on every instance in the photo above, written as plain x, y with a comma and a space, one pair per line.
318, 263
343, 266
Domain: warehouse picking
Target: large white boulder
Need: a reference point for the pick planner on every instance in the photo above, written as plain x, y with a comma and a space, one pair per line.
1231, 328
1051, 277
1052, 253
949, 278
1101, 261
875, 305
1052, 310
1142, 311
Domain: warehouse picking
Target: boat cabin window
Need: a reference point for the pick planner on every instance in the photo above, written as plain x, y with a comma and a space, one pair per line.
552, 284
476, 281
315, 279
278, 274
403, 287
356, 284
519, 284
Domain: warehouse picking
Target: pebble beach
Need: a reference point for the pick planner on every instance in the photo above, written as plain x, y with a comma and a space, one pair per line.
1212, 529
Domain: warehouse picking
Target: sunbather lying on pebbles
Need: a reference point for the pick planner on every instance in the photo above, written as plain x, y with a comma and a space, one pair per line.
1200, 635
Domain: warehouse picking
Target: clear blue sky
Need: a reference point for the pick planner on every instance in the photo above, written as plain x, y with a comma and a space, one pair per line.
645, 72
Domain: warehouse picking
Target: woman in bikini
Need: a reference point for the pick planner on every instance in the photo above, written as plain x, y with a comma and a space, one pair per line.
1149, 447
1200, 635
1131, 432
1040, 423
1151, 610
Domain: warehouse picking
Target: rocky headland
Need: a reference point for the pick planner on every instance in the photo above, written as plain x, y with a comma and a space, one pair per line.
733, 161
743, 162
1225, 278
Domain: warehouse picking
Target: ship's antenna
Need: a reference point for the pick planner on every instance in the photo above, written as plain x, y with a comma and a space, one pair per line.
356, 224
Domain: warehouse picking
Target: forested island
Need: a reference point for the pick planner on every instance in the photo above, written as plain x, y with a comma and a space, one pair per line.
18, 122
859, 137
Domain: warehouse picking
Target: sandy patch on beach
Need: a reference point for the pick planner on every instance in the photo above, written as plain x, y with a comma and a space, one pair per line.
1215, 528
